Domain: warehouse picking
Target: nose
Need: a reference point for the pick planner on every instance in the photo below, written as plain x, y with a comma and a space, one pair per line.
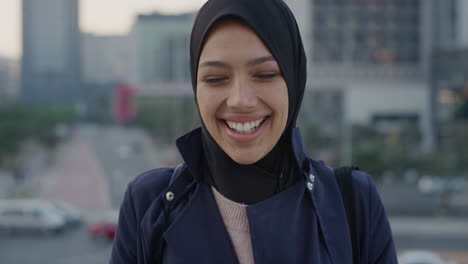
241, 95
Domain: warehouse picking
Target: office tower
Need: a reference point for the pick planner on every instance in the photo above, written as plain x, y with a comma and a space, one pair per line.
4, 79
106, 59
369, 62
51, 52
161, 47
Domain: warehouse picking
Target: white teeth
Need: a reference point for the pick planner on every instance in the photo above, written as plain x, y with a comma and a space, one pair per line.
245, 127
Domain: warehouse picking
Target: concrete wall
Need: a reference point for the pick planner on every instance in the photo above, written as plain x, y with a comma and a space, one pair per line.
362, 101
162, 49
106, 59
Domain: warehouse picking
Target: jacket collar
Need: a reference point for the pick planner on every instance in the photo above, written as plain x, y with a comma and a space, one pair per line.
320, 184
190, 148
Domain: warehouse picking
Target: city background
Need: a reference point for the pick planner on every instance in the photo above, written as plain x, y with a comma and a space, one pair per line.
92, 93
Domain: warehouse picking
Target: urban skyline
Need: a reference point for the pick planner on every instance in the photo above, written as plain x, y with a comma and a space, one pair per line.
91, 20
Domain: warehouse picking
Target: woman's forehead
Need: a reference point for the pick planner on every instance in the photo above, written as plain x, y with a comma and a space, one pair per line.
233, 38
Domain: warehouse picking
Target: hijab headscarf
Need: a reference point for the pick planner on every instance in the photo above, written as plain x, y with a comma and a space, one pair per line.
275, 25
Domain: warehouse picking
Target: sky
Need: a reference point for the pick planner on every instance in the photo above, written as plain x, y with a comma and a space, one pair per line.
96, 16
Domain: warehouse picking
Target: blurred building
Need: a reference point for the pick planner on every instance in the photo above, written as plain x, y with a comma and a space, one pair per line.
51, 52
369, 62
105, 59
7, 80
450, 61
161, 48
4, 79
450, 24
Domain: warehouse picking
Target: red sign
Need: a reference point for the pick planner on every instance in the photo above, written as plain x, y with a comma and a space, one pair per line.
125, 106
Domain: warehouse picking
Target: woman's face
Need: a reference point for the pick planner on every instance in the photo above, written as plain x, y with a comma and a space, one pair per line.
241, 94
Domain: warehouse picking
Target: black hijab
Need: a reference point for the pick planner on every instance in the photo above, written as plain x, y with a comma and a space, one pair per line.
276, 26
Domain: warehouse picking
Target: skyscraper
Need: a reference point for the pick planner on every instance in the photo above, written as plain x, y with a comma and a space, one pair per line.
4, 79
51, 52
161, 47
369, 61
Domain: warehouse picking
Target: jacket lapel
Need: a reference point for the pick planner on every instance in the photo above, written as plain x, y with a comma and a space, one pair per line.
326, 198
198, 234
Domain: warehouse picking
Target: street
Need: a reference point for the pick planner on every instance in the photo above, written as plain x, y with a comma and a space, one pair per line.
90, 172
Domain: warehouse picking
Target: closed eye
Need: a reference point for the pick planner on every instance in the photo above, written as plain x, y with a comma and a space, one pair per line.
266, 76
215, 79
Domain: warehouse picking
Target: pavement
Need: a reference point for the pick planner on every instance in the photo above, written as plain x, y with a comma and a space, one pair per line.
78, 178
6, 184
440, 227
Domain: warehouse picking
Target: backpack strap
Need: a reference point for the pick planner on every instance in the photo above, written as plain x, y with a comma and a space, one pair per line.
177, 170
175, 188
344, 178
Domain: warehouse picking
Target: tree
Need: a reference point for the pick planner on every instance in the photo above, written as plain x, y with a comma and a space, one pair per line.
19, 123
167, 118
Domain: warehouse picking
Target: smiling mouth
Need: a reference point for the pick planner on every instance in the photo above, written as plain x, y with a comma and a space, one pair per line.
245, 128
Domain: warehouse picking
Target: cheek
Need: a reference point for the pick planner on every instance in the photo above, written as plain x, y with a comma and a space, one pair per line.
279, 101
206, 106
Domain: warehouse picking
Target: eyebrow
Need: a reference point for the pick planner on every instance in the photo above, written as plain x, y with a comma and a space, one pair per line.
218, 64
260, 60
221, 64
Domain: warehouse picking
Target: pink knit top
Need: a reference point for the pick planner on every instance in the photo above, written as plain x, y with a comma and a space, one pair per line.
237, 225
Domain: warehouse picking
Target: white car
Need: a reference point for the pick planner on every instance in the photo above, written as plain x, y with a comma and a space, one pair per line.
30, 215
71, 215
421, 257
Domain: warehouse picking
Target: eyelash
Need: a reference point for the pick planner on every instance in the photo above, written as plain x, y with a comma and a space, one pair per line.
267, 76
215, 80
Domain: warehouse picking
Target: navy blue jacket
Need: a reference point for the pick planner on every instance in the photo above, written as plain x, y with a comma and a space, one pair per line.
306, 223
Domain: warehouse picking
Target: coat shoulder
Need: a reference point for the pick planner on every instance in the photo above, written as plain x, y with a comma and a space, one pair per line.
149, 185
364, 187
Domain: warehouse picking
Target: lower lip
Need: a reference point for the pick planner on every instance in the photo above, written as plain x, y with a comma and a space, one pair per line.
245, 137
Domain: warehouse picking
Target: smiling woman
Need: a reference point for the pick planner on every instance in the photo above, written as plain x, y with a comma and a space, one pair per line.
247, 192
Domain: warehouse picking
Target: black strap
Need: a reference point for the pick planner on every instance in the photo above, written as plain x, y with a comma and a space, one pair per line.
177, 170
344, 178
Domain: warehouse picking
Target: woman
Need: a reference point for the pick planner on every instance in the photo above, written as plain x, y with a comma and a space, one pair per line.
247, 192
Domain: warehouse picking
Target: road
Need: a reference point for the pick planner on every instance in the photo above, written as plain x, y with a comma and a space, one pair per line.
71, 247
90, 171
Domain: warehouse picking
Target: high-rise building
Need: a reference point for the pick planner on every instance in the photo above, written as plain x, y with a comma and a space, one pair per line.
368, 61
106, 59
450, 24
4, 79
450, 60
51, 52
161, 46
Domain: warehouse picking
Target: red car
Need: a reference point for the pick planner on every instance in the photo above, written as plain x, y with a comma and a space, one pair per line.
104, 228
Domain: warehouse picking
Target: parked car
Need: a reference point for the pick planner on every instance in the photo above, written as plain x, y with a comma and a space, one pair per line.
72, 216
421, 257
104, 226
438, 185
30, 216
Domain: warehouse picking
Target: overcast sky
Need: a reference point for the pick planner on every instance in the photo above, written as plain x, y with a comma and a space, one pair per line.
97, 16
